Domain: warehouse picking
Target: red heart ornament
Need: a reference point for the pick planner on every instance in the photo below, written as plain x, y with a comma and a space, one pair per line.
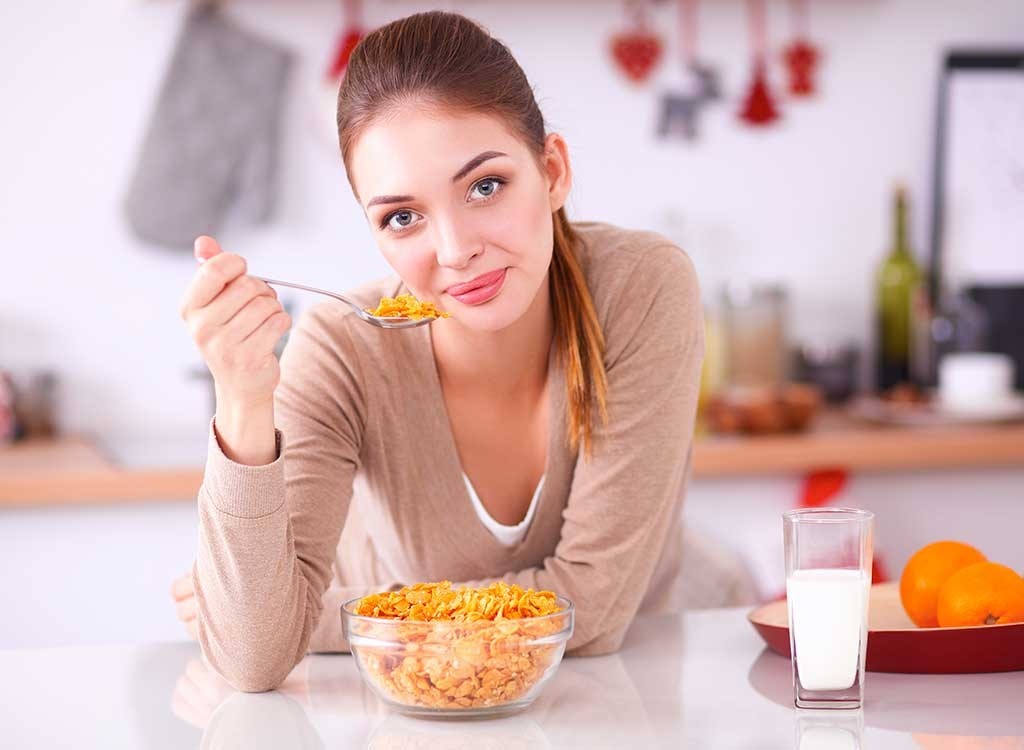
636, 53
343, 51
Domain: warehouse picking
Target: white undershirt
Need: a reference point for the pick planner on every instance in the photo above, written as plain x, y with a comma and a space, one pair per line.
507, 535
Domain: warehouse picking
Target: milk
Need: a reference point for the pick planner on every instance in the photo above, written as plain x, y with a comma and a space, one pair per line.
828, 610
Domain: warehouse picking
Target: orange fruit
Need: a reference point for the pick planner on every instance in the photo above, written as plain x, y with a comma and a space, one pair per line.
925, 573
985, 593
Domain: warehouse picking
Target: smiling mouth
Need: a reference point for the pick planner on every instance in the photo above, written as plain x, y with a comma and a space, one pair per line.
483, 280
481, 289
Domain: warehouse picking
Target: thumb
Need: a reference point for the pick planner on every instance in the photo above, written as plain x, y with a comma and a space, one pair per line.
205, 248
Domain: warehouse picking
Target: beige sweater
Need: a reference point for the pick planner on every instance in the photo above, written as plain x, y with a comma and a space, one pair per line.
367, 491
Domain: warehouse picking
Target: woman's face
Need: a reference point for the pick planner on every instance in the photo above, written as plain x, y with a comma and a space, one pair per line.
461, 209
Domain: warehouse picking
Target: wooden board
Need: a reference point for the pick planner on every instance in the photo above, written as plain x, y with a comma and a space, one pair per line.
836, 442
73, 470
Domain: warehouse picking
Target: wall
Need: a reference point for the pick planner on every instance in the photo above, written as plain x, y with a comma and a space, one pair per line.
804, 202
89, 575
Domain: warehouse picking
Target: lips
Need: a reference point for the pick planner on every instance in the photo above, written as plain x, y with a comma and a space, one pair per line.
480, 281
480, 290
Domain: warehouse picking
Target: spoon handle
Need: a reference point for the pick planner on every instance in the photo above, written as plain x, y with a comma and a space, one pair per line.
337, 296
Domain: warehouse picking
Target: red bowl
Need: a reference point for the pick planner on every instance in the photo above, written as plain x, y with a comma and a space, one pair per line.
895, 644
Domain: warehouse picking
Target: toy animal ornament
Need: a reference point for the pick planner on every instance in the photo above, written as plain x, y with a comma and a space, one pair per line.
680, 108
698, 85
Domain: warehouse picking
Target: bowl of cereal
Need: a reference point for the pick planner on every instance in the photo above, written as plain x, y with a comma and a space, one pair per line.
432, 650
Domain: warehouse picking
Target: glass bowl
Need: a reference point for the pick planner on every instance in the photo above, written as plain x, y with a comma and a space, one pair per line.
447, 668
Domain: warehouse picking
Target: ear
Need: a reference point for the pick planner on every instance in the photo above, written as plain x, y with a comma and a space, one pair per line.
556, 166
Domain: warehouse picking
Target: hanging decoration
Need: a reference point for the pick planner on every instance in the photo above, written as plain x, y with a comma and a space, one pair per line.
696, 87
637, 50
211, 150
326, 114
801, 56
351, 33
758, 105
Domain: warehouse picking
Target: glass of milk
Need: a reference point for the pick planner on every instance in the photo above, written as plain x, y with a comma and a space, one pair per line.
828, 576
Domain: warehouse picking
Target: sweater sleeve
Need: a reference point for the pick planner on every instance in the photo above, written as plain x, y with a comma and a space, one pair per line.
615, 524
328, 638
268, 534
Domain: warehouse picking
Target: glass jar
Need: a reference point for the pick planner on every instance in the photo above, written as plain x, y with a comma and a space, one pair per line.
754, 331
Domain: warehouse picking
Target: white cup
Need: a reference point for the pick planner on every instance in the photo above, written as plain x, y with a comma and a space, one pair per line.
973, 381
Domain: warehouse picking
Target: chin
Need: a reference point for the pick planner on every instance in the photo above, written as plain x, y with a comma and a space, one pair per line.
497, 314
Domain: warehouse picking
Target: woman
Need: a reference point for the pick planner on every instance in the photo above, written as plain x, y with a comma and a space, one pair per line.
541, 435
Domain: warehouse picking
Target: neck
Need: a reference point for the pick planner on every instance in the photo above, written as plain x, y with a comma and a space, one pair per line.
512, 361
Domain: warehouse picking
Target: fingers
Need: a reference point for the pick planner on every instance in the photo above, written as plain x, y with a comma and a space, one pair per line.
265, 337
182, 587
186, 609
231, 300
213, 275
250, 317
185, 605
205, 248
236, 322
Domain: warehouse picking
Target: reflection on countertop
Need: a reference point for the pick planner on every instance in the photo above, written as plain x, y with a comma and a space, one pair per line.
698, 680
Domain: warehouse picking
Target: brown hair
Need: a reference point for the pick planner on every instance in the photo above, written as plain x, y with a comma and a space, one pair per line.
449, 60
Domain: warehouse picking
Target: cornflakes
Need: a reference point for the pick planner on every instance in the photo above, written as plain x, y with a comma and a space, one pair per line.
439, 601
406, 306
458, 649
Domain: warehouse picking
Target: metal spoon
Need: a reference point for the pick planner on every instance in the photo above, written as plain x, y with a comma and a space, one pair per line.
374, 320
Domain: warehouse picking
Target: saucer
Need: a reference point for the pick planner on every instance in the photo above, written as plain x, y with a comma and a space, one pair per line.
934, 413
1007, 409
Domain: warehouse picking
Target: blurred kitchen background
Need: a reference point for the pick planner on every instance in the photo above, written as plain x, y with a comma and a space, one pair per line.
779, 142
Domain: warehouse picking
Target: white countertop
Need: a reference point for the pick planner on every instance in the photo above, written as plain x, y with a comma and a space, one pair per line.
702, 680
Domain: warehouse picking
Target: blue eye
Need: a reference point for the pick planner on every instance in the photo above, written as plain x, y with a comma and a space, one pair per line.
486, 188
399, 221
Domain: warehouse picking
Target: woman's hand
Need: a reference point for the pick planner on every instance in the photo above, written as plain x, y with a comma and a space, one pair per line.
185, 603
236, 322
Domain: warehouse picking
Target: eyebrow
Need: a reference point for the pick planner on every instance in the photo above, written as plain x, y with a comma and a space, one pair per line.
469, 166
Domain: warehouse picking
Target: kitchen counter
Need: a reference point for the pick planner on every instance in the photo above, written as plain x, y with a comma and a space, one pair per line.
699, 680
74, 470
839, 442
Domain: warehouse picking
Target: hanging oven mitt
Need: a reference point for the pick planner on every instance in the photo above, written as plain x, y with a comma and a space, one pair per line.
212, 140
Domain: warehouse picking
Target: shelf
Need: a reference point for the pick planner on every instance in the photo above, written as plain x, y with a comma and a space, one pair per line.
836, 442
73, 470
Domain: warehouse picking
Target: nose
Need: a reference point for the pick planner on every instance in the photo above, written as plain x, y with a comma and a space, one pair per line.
457, 244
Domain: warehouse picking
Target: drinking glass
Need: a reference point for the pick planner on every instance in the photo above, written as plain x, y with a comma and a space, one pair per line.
828, 578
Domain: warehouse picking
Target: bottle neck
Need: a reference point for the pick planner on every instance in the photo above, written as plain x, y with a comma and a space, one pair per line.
901, 245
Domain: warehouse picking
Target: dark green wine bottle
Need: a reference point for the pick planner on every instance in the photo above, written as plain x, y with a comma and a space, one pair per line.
897, 282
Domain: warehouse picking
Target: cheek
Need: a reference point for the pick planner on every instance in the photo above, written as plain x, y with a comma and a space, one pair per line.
414, 262
524, 229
